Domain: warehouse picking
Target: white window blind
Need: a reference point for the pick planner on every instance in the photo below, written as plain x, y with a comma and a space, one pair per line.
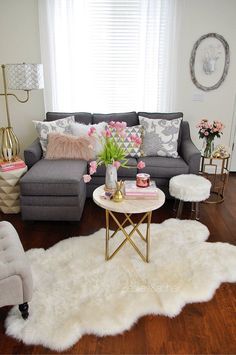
106, 55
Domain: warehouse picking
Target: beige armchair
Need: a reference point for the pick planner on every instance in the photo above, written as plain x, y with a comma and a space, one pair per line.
15, 273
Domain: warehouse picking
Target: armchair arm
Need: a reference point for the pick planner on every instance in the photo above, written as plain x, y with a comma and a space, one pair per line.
189, 151
33, 153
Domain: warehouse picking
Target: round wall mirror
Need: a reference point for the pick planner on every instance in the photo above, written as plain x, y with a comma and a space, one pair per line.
209, 61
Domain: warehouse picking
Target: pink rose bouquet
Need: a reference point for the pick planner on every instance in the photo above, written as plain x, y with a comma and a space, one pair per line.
112, 152
209, 131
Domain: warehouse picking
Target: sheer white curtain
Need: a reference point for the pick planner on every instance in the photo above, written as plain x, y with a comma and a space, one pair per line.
108, 55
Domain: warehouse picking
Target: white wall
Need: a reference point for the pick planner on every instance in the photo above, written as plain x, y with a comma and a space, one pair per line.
199, 17
19, 42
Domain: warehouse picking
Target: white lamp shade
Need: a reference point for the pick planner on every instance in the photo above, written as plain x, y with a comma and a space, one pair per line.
24, 76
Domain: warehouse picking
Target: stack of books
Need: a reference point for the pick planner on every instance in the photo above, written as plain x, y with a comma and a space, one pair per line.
133, 192
12, 165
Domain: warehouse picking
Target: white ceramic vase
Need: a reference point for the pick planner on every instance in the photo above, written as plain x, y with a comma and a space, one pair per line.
111, 177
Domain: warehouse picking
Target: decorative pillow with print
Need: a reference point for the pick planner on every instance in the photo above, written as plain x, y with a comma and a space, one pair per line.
133, 149
43, 128
81, 130
160, 136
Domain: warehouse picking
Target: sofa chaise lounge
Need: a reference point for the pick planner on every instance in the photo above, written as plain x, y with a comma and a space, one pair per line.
55, 190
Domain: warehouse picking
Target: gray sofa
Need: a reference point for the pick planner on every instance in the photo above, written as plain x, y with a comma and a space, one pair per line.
55, 190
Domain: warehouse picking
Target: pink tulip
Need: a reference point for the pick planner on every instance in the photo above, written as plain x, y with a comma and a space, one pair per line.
112, 124
86, 178
122, 134
133, 137
92, 171
123, 125
106, 133
120, 126
141, 165
91, 131
138, 141
117, 164
93, 164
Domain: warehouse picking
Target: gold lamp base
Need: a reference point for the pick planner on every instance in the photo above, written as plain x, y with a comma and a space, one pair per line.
10, 147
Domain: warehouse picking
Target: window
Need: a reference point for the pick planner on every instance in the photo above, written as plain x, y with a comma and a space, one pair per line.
106, 55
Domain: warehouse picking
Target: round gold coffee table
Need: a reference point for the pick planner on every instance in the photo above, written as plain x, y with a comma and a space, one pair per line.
128, 207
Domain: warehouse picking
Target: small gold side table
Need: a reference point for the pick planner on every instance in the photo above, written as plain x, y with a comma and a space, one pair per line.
128, 207
217, 171
10, 190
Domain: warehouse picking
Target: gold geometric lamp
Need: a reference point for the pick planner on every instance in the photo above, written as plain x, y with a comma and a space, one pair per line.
17, 77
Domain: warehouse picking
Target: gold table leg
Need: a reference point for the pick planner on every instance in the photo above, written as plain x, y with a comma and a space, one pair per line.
128, 236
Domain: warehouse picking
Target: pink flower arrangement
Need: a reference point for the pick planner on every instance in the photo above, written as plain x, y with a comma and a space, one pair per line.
210, 130
112, 153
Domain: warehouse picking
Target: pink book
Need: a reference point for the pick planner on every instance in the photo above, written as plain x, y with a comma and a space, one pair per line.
4, 164
130, 187
9, 168
141, 194
141, 197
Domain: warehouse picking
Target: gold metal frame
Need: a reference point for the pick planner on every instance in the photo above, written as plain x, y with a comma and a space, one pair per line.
146, 239
10, 147
218, 180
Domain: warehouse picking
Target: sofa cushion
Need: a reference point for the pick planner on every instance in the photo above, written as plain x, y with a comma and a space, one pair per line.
54, 177
81, 130
125, 142
122, 172
82, 117
165, 116
130, 118
43, 129
67, 146
163, 167
160, 137
161, 116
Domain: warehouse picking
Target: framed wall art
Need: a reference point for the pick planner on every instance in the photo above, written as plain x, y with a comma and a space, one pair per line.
209, 61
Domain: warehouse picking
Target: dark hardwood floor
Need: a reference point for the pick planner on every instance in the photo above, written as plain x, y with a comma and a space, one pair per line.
200, 328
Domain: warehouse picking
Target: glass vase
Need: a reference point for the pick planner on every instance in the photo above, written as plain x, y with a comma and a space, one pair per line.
111, 177
208, 147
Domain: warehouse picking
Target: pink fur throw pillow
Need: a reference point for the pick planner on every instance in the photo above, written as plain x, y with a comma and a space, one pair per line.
66, 146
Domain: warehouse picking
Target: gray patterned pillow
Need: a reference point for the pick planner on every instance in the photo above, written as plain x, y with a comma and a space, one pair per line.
44, 128
132, 149
160, 136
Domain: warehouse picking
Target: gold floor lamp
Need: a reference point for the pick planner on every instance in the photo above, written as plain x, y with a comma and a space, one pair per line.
17, 77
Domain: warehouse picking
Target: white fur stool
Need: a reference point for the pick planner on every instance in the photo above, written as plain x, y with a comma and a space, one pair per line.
189, 188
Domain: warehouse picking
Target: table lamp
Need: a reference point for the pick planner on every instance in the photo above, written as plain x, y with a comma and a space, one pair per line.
17, 77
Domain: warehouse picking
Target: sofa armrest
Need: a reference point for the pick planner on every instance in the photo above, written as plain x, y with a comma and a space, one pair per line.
189, 151
33, 153
191, 155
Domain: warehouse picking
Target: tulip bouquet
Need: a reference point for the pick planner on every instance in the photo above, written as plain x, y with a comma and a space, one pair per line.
112, 152
209, 131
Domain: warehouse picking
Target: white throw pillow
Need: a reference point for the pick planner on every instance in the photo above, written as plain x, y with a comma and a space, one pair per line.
43, 128
81, 130
160, 136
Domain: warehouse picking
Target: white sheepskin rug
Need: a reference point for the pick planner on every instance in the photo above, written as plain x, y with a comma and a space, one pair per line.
77, 292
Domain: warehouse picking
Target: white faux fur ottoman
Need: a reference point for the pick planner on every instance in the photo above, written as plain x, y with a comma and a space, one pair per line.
189, 188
